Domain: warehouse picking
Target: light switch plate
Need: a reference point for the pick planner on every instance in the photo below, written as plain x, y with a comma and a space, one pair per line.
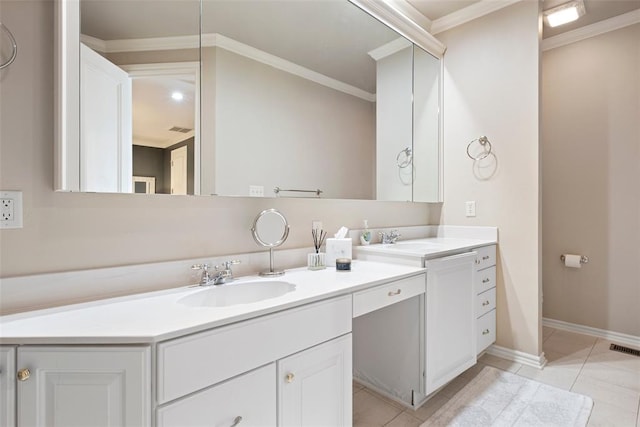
470, 208
10, 209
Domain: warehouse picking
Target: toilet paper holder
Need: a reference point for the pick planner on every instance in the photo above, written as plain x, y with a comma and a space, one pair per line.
583, 259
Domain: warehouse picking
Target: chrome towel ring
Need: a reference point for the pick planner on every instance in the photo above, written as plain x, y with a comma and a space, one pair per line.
404, 158
14, 46
486, 145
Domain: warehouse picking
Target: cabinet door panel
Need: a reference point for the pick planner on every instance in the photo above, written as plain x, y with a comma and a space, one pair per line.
84, 386
314, 386
248, 398
7, 386
450, 316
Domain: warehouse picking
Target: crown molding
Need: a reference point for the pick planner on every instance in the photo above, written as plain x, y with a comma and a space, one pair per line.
396, 15
162, 69
469, 13
595, 29
217, 40
211, 40
140, 45
389, 48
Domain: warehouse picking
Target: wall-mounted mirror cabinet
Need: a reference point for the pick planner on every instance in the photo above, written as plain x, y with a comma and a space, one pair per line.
232, 98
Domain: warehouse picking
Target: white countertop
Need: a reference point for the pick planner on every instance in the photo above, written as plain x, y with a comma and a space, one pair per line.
427, 248
157, 316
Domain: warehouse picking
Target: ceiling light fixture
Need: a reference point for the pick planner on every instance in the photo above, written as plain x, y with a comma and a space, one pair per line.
177, 96
565, 13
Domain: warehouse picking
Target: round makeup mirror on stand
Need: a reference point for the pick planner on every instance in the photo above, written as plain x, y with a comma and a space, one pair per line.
270, 229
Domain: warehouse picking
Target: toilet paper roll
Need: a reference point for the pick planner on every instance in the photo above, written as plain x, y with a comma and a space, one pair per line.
572, 261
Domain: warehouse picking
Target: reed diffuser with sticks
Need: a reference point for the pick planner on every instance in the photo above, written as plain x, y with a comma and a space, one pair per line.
316, 261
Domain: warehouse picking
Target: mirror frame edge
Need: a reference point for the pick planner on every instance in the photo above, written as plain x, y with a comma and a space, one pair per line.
67, 95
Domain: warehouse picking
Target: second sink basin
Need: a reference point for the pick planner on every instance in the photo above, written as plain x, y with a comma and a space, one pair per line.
237, 293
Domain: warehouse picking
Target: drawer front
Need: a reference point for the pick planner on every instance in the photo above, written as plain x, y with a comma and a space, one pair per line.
485, 302
249, 398
486, 257
191, 363
485, 279
381, 296
486, 328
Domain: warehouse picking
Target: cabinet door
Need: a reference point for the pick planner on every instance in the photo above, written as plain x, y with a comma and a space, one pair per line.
84, 386
7, 386
314, 386
450, 317
249, 399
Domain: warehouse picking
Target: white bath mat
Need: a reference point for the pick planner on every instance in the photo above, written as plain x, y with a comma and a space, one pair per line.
498, 398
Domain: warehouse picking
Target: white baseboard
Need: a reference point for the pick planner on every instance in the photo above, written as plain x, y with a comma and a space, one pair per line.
518, 356
618, 337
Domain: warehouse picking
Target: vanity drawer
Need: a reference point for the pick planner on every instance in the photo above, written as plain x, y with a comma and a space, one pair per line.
485, 279
251, 396
381, 296
486, 257
485, 302
486, 330
191, 363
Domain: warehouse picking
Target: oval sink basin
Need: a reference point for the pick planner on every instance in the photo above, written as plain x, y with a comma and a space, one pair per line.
237, 293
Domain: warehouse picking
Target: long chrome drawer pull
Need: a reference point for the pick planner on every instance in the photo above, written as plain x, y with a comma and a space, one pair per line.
485, 332
396, 292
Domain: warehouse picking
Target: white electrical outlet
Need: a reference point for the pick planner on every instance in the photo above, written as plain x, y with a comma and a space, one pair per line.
316, 225
470, 208
10, 209
256, 191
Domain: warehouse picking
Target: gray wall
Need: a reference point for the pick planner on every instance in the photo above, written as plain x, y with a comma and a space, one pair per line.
149, 161
591, 194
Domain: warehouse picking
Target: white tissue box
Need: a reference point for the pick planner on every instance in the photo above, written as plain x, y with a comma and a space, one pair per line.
337, 248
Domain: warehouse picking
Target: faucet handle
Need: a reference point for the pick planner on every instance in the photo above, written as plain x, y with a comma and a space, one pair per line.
204, 267
227, 264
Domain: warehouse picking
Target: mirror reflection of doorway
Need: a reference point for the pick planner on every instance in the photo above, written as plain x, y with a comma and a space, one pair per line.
179, 170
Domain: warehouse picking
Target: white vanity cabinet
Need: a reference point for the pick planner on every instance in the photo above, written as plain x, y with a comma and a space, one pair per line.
450, 318
441, 332
7, 386
314, 386
297, 360
82, 386
249, 399
485, 289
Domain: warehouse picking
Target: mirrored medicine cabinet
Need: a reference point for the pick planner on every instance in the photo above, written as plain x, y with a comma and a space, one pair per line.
252, 98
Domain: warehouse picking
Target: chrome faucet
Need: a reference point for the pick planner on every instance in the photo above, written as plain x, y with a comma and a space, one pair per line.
222, 274
390, 237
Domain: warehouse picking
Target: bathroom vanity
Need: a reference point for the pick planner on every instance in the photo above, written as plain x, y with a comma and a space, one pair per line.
265, 351
457, 315
183, 358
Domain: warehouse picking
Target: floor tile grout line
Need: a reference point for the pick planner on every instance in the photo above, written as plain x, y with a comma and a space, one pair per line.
582, 367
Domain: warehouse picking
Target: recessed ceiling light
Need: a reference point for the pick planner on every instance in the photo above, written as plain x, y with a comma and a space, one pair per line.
177, 96
565, 13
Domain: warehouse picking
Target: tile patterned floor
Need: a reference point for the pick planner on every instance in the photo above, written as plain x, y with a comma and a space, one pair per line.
576, 362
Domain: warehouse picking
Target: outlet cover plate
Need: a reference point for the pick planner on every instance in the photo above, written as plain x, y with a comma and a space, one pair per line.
11, 201
470, 208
